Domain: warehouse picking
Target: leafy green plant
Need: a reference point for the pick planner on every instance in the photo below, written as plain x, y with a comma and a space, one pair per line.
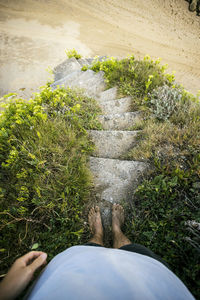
84, 68
133, 77
163, 208
163, 101
44, 179
73, 53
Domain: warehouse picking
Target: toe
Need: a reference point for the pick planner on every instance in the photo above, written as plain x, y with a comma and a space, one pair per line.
115, 206
97, 209
91, 211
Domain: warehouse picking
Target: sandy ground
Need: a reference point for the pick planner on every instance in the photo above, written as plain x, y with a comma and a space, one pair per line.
35, 34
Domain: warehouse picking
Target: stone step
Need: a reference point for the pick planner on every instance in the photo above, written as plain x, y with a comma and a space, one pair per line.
83, 78
116, 106
112, 144
119, 121
92, 82
83, 62
115, 180
103, 58
67, 80
90, 60
94, 85
109, 94
66, 67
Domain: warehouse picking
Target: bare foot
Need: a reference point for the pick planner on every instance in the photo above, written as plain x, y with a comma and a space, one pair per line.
119, 239
117, 217
94, 219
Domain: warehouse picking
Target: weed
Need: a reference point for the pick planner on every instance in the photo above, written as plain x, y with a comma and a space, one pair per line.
133, 77
163, 101
73, 53
162, 211
45, 181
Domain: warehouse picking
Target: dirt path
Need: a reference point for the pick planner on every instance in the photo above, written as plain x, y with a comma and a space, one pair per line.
36, 33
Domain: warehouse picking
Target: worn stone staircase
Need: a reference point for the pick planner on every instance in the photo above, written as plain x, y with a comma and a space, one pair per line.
114, 179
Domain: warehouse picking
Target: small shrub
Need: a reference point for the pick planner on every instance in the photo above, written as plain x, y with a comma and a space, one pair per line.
44, 178
133, 77
162, 209
163, 101
84, 68
73, 53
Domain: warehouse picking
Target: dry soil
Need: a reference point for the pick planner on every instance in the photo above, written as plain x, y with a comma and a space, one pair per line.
35, 34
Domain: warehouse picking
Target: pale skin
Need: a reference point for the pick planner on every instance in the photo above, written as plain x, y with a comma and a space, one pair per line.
20, 274
23, 269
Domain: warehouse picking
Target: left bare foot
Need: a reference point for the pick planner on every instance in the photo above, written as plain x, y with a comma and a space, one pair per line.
94, 219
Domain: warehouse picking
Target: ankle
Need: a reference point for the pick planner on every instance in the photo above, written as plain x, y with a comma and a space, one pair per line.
119, 239
116, 229
97, 238
98, 235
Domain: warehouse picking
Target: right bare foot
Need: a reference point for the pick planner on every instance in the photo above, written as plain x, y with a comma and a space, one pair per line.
117, 217
119, 239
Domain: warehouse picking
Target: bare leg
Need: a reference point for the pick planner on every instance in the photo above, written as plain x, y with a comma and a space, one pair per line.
94, 219
119, 239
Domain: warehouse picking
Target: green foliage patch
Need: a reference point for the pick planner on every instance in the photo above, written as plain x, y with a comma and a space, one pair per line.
73, 53
162, 218
134, 77
44, 180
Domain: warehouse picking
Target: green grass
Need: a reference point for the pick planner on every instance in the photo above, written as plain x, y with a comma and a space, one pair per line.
45, 181
133, 77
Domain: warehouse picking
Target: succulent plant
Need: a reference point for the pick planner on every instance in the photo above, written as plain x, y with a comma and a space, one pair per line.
163, 101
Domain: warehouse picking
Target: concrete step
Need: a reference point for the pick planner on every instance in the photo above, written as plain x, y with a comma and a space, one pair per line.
83, 62
115, 180
90, 60
116, 106
76, 78
67, 80
112, 144
68, 66
83, 78
94, 85
119, 121
103, 58
109, 94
